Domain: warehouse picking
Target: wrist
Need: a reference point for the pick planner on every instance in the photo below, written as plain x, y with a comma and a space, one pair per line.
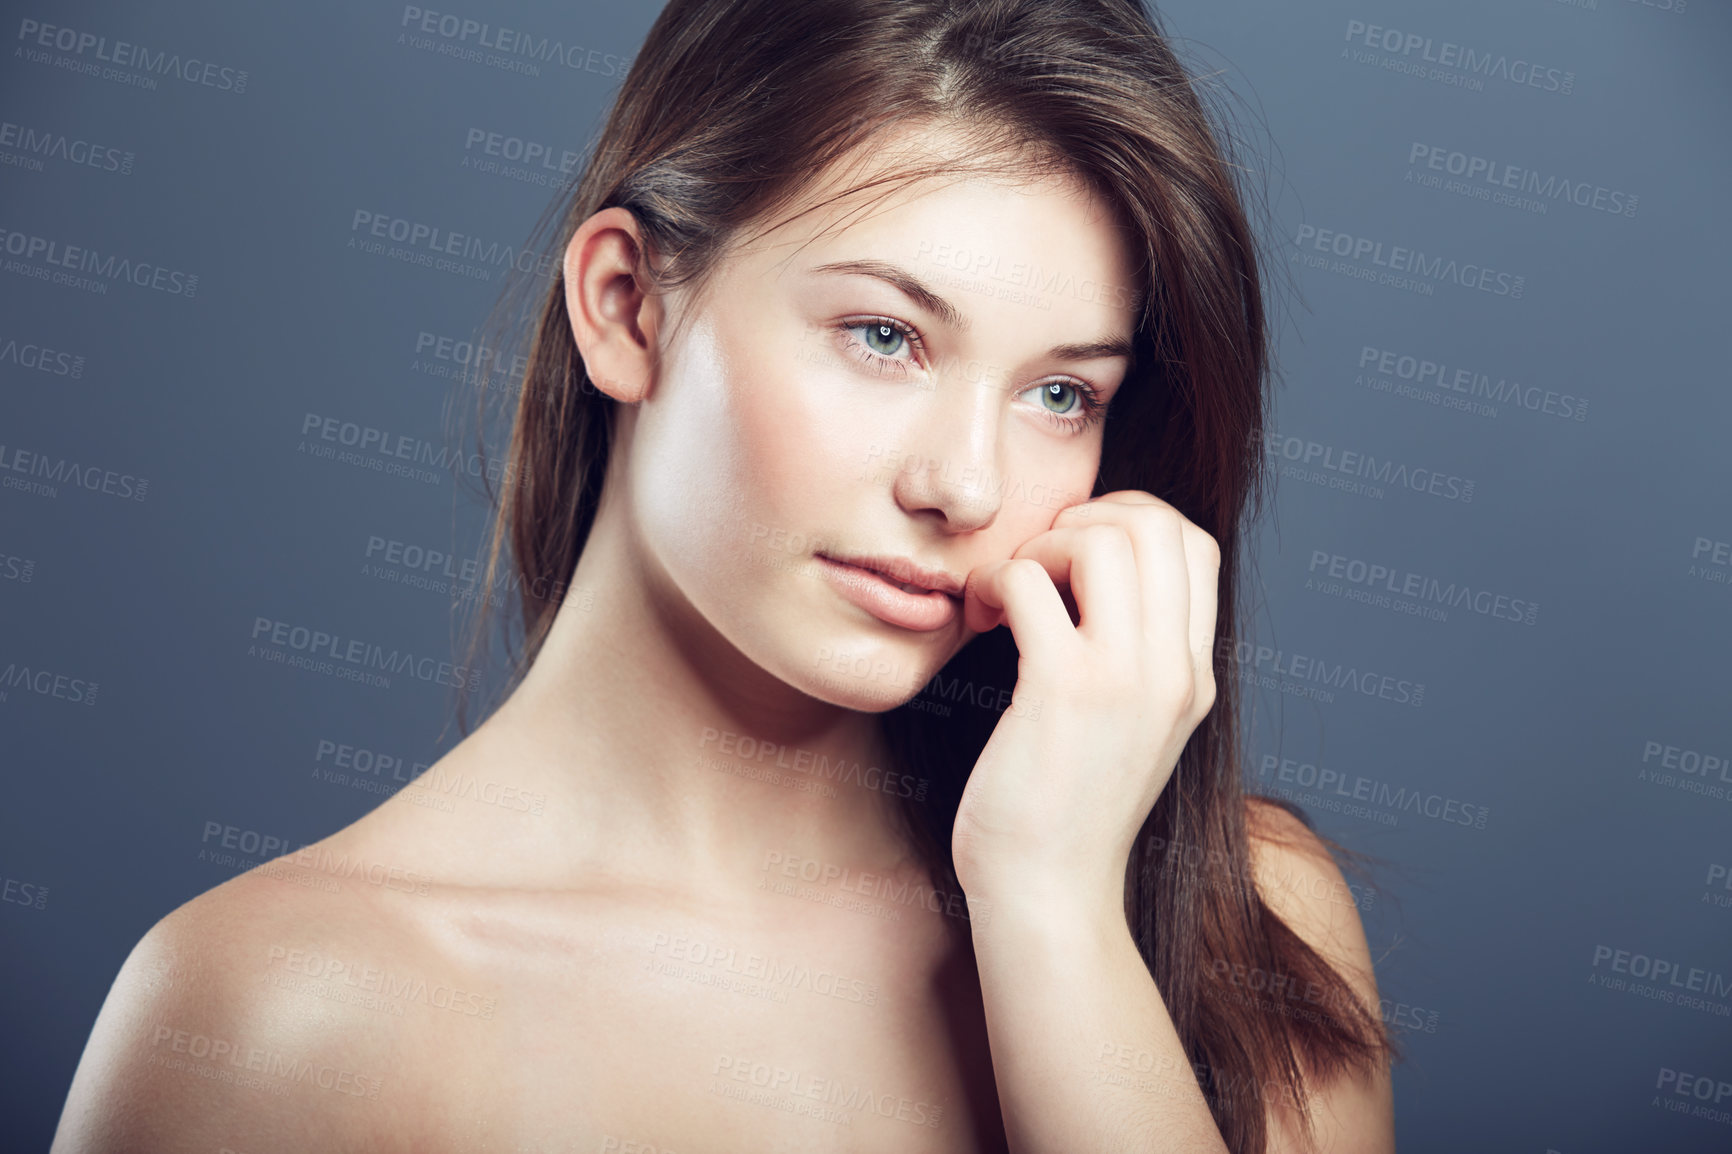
1037, 904
1055, 879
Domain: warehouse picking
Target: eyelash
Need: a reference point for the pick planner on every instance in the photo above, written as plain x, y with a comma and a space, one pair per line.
1093, 409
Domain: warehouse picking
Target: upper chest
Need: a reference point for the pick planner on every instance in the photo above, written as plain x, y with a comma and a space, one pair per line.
632, 1029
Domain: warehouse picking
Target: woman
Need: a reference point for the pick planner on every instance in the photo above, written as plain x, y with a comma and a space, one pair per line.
871, 780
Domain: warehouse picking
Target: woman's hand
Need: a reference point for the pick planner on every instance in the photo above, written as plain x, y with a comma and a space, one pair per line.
1102, 706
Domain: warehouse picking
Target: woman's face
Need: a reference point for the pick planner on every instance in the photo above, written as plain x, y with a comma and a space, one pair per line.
896, 390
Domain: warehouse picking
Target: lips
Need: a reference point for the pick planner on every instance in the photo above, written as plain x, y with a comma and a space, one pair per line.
897, 591
906, 574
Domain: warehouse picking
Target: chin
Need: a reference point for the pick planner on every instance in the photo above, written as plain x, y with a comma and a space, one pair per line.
866, 666
868, 675
850, 695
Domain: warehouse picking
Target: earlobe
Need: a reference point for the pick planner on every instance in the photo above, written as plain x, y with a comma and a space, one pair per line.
614, 320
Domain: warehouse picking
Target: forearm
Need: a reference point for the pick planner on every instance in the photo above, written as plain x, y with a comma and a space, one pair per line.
1083, 1050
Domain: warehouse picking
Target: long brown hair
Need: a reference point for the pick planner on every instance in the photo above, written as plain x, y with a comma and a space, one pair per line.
729, 110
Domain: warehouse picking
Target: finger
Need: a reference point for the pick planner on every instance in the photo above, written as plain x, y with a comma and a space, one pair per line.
1203, 561
1163, 577
1098, 564
1130, 497
1019, 594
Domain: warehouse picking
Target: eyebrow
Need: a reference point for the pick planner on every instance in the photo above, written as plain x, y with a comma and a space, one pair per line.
914, 289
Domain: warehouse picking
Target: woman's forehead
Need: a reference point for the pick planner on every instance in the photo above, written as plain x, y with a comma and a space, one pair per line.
956, 221
896, 169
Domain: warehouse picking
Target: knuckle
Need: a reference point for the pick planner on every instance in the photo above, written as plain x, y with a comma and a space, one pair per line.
1207, 546
1167, 523
1079, 513
1205, 696
1024, 571
1175, 685
1104, 536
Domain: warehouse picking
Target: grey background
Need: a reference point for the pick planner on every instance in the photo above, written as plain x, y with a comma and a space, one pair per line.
1492, 942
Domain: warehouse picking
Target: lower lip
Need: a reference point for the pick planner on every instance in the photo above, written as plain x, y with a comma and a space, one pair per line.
922, 612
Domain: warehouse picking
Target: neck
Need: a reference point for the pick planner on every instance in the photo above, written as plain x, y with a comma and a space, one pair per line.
671, 755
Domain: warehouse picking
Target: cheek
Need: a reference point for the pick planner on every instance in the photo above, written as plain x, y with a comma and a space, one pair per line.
780, 439
807, 434
736, 464
690, 461
1045, 480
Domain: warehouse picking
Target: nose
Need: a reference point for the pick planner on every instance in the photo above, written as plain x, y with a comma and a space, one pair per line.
950, 462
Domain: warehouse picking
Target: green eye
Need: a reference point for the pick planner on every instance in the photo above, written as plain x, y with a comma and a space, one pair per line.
882, 332
1056, 391
878, 342
1069, 406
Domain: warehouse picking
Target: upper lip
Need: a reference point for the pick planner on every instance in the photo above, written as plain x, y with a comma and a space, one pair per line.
907, 571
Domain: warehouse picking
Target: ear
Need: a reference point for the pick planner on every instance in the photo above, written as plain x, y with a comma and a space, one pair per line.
613, 318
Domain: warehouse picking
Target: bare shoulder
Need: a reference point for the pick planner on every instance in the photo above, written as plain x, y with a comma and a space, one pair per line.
1298, 879
222, 1028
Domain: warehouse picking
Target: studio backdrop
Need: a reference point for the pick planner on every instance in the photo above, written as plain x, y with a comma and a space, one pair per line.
245, 252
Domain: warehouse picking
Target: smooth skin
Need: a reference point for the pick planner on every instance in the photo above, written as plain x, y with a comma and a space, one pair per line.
606, 921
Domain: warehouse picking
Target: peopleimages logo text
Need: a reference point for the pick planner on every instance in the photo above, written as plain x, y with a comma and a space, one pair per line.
127, 55
512, 41
1460, 57
354, 651
113, 267
1410, 261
